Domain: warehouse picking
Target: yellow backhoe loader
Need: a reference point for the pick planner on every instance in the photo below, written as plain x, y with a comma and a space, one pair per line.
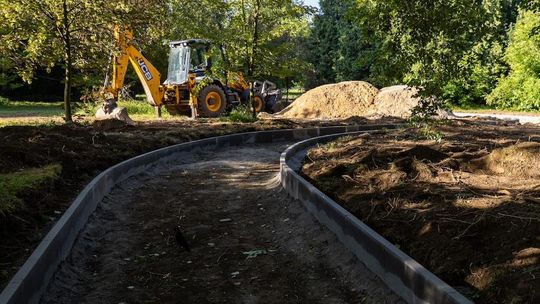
188, 90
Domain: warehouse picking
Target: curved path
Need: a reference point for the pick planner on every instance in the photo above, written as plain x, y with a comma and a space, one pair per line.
250, 242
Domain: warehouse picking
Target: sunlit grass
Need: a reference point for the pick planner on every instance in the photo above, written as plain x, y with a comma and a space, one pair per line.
13, 185
28, 108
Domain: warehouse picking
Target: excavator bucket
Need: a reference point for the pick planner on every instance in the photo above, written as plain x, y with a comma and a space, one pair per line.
118, 113
110, 110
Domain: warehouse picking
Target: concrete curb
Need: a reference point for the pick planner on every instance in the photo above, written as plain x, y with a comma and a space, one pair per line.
405, 276
29, 283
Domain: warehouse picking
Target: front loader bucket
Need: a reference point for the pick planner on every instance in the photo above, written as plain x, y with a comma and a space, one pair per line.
119, 113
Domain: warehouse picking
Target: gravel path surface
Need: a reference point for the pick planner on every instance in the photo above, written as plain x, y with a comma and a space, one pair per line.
530, 118
249, 242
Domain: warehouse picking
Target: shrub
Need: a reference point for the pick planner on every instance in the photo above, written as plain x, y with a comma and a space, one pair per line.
521, 88
242, 114
3, 101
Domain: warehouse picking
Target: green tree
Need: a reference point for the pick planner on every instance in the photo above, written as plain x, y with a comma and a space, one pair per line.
76, 34
337, 48
44, 33
485, 59
422, 43
521, 88
257, 37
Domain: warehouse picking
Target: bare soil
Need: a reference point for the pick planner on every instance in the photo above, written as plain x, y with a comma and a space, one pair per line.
395, 101
249, 242
84, 151
466, 207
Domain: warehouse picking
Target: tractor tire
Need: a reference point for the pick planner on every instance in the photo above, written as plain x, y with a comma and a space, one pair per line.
212, 101
258, 103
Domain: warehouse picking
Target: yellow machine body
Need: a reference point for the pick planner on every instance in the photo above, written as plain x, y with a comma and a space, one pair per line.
181, 95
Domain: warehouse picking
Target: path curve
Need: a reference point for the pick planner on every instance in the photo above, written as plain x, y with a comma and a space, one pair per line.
250, 242
31, 280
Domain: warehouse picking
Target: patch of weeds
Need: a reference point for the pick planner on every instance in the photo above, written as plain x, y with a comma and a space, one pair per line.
242, 114
3, 101
430, 133
138, 107
12, 185
427, 128
86, 107
330, 146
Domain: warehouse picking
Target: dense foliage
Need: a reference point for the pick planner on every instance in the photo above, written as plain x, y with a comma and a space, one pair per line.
337, 47
454, 49
467, 52
76, 35
521, 88
256, 37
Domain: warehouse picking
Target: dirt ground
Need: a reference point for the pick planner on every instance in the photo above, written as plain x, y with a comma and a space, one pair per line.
466, 206
249, 242
83, 151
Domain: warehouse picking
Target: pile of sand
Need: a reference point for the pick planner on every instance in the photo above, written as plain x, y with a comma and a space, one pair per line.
353, 98
340, 100
396, 101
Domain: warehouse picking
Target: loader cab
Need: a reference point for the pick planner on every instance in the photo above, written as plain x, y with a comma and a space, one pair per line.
188, 56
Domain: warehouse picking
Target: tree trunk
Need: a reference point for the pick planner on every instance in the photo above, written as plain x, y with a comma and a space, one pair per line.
287, 88
68, 67
254, 45
67, 91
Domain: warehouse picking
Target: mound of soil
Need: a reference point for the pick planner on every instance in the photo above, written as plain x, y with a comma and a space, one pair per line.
333, 101
520, 160
465, 207
355, 99
108, 124
395, 101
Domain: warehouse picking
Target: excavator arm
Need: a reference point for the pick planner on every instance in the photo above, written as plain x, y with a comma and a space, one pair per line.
146, 72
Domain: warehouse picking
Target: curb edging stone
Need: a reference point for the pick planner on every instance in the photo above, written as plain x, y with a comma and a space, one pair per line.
406, 277
32, 279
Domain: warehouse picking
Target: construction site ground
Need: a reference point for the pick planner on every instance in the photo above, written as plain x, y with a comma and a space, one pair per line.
249, 242
82, 152
462, 198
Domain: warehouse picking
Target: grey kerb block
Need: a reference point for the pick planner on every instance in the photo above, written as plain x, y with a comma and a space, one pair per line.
29, 283
405, 276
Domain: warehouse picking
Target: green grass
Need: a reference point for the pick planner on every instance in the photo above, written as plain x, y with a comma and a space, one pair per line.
27, 109
140, 108
241, 114
12, 185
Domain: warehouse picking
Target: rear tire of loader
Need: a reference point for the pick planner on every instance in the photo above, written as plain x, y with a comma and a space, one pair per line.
258, 103
212, 101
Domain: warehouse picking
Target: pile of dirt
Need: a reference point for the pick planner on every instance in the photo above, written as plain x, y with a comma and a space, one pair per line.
520, 160
351, 99
333, 101
395, 101
465, 207
108, 124
355, 99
